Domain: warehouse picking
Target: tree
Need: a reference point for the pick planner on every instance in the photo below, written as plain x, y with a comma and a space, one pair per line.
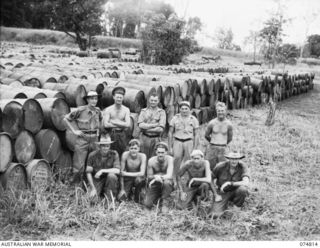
159, 7
272, 34
287, 54
13, 13
193, 26
38, 13
124, 16
308, 18
314, 45
253, 39
224, 38
162, 41
80, 19
26, 14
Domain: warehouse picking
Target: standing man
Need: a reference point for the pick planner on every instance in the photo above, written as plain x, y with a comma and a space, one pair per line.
198, 185
103, 166
183, 136
232, 179
152, 121
84, 122
133, 170
219, 133
116, 118
159, 174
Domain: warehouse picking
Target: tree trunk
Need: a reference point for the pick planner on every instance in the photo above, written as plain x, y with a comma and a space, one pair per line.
82, 42
272, 112
254, 48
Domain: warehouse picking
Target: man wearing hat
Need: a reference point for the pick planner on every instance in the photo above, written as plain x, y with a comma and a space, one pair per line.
151, 121
183, 135
133, 170
198, 185
103, 166
84, 122
232, 179
159, 175
219, 133
116, 119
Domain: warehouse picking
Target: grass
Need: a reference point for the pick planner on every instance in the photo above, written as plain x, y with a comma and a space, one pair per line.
51, 37
284, 203
310, 61
228, 53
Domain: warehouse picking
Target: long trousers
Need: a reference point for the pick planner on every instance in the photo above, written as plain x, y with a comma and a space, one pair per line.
84, 145
107, 184
119, 139
134, 182
148, 144
158, 191
215, 154
197, 189
181, 153
236, 196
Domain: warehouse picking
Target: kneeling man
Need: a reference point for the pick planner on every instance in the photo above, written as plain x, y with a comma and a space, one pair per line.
103, 168
198, 185
159, 173
133, 169
232, 179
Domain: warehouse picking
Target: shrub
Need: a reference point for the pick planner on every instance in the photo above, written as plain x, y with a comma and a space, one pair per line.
162, 41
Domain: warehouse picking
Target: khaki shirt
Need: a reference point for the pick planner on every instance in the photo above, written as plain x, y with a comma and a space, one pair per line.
184, 127
222, 173
99, 162
148, 116
85, 118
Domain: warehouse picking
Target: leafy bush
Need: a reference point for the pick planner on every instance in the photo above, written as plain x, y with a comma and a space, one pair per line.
314, 45
162, 41
287, 54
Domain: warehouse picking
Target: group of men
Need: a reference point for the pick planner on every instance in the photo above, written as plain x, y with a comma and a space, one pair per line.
116, 168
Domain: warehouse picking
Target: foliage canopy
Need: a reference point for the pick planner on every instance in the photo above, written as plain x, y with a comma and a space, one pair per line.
314, 45
80, 19
164, 41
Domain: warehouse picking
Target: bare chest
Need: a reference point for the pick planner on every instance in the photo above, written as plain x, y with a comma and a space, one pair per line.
117, 114
133, 164
220, 128
160, 168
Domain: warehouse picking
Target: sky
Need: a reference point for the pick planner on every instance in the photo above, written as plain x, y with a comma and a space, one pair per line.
245, 15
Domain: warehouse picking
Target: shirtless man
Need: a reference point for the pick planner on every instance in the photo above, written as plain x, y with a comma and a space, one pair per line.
159, 173
219, 133
198, 185
133, 169
116, 118
152, 121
